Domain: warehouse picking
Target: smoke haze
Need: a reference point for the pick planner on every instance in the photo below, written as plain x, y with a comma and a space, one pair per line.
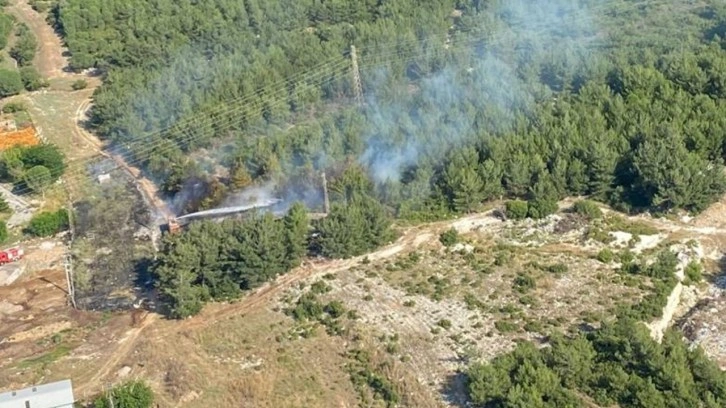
485, 95
484, 92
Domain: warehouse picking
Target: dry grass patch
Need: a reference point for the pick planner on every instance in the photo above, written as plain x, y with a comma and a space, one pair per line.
54, 115
253, 364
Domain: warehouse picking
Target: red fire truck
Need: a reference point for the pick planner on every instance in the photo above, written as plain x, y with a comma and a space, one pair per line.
11, 255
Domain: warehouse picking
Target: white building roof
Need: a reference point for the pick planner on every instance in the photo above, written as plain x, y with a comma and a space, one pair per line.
52, 395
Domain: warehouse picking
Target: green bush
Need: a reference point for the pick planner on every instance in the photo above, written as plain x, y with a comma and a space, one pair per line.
335, 309
505, 326
12, 107
7, 22
524, 282
3, 232
557, 269
626, 256
664, 266
605, 255
79, 84
449, 237
588, 209
307, 308
25, 46
320, 287
48, 223
38, 178
4, 206
10, 83
40, 6
618, 223
541, 208
36, 166
444, 324
32, 81
134, 394
693, 272
516, 209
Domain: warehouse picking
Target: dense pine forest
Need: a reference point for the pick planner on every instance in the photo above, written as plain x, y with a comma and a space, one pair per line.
464, 100
617, 365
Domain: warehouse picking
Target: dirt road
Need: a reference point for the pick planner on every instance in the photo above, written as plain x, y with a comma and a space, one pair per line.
49, 60
94, 383
411, 239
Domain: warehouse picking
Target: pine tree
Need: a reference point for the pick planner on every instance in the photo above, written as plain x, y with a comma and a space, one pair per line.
490, 173
184, 297
342, 232
377, 223
518, 175
543, 197
351, 184
670, 176
297, 227
577, 179
601, 171
239, 176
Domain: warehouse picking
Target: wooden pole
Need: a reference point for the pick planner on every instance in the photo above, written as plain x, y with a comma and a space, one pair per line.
325, 194
358, 86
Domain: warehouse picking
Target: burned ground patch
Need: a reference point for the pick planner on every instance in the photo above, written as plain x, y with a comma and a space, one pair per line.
113, 245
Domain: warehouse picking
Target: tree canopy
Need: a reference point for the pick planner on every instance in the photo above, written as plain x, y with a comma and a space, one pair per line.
217, 260
36, 166
618, 364
463, 107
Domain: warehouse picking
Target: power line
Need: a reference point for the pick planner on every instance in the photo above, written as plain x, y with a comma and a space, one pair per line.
149, 144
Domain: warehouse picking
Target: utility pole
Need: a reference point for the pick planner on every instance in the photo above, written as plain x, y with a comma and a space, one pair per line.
325, 194
68, 266
68, 258
357, 85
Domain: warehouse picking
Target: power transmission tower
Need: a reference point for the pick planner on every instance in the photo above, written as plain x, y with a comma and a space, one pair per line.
326, 201
357, 85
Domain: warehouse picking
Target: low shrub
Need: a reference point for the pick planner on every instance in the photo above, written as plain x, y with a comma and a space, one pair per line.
516, 209
449, 237
588, 209
48, 223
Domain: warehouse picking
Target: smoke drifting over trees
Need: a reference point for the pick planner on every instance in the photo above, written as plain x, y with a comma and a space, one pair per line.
466, 101
545, 93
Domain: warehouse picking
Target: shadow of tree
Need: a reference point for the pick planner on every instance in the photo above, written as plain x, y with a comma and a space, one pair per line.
455, 391
719, 279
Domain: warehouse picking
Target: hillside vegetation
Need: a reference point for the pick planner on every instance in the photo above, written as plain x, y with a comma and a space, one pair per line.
466, 100
617, 364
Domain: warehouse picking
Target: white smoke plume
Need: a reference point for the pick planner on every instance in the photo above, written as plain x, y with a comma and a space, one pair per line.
398, 137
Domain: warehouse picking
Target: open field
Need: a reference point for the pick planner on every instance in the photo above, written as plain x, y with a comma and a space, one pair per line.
54, 115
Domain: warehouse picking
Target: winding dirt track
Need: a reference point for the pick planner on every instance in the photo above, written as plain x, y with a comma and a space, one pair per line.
411, 239
49, 60
94, 383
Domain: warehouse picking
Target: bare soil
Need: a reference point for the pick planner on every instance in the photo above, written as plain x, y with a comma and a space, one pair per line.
241, 353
